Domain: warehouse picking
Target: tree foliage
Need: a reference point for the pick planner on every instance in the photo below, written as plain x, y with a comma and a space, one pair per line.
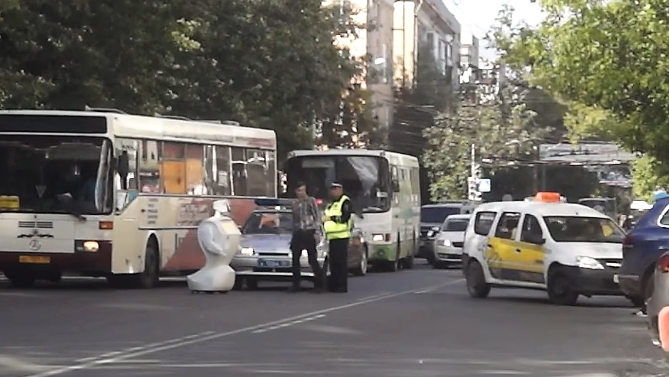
265, 64
609, 58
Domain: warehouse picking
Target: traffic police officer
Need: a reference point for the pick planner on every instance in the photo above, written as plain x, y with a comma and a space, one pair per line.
338, 224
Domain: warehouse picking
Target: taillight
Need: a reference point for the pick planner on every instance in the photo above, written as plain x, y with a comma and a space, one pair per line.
663, 263
627, 241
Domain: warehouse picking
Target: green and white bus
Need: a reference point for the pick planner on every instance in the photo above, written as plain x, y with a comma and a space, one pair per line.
384, 188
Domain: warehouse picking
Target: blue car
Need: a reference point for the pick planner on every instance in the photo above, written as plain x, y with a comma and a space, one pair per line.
642, 247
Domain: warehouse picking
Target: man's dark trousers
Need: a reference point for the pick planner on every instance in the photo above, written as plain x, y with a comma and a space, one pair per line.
305, 240
338, 258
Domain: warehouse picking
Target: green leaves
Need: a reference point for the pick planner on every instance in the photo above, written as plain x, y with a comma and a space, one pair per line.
268, 64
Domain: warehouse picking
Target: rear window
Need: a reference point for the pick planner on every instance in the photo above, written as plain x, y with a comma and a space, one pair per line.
455, 225
437, 214
483, 222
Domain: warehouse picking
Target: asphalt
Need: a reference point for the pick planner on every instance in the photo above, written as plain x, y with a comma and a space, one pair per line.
416, 323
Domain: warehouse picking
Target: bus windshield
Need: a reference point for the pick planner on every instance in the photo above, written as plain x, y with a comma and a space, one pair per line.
56, 174
366, 179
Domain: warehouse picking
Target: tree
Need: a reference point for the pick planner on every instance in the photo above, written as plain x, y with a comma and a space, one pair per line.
499, 126
607, 56
265, 64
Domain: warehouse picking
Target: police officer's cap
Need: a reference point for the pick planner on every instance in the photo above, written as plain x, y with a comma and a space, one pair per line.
334, 185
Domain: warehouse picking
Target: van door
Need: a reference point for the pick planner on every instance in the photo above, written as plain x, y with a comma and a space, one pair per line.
502, 246
527, 256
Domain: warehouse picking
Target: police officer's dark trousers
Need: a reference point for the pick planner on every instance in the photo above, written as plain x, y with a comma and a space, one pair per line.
305, 240
338, 259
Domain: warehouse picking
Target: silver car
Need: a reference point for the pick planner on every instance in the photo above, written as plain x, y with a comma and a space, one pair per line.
265, 250
449, 240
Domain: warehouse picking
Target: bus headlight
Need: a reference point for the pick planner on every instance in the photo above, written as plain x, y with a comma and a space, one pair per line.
91, 246
246, 251
380, 237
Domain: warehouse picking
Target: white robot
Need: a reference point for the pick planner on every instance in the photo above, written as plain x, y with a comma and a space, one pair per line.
219, 239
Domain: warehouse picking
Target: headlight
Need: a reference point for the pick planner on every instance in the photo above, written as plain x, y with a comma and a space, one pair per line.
246, 251
378, 237
446, 243
91, 246
588, 262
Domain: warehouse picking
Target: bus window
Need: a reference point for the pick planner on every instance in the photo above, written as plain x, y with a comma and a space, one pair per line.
130, 148
149, 172
255, 169
173, 168
239, 187
270, 176
195, 169
221, 171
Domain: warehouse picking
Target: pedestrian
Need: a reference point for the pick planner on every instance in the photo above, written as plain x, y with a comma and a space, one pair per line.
305, 227
338, 225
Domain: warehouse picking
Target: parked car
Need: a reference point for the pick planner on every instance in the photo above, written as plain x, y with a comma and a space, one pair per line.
660, 297
449, 240
432, 216
642, 247
265, 250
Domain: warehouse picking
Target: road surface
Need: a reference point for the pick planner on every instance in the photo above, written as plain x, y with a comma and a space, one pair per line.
414, 323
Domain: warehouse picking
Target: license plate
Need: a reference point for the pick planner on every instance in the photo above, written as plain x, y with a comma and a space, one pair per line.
615, 279
273, 263
34, 259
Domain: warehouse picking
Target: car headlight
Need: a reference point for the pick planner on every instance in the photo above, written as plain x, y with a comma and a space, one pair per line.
246, 251
446, 243
304, 254
589, 263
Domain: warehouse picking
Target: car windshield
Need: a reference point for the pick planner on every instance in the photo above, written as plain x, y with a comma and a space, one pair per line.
56, 174
269, 223
455, 225
583, 229
437, 214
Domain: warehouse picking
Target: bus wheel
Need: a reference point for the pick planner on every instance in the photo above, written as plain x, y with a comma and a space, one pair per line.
150, 277
20, 280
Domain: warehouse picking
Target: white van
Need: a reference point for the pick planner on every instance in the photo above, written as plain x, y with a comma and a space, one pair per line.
566, 249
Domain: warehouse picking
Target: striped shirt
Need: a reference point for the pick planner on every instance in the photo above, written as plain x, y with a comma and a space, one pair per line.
305, 214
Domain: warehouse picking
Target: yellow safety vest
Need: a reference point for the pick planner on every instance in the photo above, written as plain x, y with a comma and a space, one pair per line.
335, 230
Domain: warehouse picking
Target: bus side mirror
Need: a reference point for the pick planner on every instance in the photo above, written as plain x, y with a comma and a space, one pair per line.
396, 185
123, 168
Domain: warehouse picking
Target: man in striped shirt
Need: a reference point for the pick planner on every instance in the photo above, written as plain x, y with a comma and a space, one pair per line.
306, 223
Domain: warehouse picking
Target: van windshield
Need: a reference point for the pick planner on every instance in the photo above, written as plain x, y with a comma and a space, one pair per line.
583, 229
437, 214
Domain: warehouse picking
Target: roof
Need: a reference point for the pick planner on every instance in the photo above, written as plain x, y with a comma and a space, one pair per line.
542, 209
156, 127
459, 217
443, 205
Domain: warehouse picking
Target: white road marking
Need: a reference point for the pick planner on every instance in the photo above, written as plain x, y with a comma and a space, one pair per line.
431, 289
374, 296
207, 336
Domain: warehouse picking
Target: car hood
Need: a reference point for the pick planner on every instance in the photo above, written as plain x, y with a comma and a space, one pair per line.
266, 242
597, 250
452, 236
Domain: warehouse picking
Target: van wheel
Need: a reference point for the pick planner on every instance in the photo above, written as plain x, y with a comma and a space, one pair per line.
251, 284
476, 284
560, 291
150, 277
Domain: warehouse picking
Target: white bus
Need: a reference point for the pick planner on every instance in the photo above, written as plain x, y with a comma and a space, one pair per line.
384, 188
107, 194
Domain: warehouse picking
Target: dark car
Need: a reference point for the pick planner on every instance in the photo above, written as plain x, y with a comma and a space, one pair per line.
642, 247
432, 216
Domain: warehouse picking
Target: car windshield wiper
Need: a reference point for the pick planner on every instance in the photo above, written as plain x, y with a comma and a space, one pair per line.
77, 215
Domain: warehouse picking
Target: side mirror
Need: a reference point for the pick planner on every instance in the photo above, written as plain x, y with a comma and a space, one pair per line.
396, 185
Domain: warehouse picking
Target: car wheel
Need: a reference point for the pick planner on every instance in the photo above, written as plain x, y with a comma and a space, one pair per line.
476, 284
252, 284
560, 290
361, 269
